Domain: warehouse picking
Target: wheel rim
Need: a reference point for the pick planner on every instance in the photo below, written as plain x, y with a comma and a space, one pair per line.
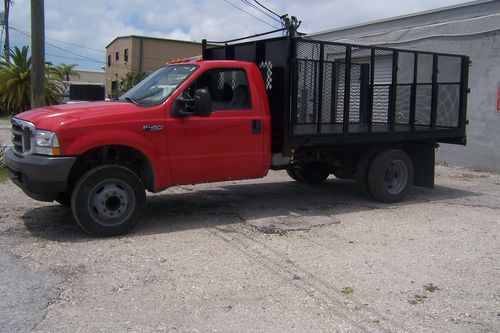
396, 177
111, 202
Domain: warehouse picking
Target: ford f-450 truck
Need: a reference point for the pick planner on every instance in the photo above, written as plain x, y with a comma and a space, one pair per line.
312, 108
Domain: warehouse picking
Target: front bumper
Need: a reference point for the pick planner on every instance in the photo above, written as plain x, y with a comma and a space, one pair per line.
40, 177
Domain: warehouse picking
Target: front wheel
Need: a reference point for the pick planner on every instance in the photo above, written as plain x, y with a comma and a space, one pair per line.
108, 200
390, 175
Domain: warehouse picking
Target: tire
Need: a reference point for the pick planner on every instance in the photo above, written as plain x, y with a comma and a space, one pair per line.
362, 172
313, 174
64, 199
108, 200
293, 174
390, 175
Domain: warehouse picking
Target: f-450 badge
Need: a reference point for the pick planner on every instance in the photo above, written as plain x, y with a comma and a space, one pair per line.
152, 128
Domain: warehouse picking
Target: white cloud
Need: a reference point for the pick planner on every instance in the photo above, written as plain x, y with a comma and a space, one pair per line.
93, 23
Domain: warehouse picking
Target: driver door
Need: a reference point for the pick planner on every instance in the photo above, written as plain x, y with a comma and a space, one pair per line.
226, 145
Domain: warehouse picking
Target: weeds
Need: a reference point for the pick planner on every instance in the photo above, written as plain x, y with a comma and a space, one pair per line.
347, 290
431, 288
3, 167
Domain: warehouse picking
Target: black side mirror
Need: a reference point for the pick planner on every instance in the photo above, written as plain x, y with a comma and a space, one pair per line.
202, 102
200, 105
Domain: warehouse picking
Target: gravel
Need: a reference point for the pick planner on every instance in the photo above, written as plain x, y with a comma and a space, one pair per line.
267, 255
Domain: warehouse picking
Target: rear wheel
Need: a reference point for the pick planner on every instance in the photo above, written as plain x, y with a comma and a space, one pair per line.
108, 200
362, 168
311, 174
390, 175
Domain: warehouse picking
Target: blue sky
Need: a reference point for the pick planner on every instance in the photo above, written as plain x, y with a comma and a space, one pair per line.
77, 32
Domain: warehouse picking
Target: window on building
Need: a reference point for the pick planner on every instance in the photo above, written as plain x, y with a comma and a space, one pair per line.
109, 60
228, 88
125, 55
117, 56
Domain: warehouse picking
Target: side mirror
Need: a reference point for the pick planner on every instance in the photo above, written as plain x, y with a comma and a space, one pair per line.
202, 102
200, 105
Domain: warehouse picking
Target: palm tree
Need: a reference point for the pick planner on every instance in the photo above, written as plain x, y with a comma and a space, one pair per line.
68, 71
129, 80
15, 82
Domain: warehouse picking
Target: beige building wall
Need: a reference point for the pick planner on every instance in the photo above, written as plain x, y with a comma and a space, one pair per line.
89, 77
145, 54
115, 69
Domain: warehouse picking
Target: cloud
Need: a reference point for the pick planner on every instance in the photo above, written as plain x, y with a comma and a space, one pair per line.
95, 23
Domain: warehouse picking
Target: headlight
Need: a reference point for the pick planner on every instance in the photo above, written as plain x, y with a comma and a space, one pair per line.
46, 143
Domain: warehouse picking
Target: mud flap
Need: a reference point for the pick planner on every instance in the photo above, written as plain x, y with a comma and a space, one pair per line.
423, 158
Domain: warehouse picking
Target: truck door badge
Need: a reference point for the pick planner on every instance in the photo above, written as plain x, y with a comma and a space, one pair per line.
152, 128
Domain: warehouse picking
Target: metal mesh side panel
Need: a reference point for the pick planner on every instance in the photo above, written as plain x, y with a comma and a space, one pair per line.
448, 105
382, 81
339, 105
424, 74
449, 69
448, 91
320, 89
335, 54
307, 97
406, 62
308, 71
424, 90
423, 105
328, 93
403, 104
360, 79
308, 50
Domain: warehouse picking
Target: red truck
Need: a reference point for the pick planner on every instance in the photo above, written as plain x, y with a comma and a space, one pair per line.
312, 108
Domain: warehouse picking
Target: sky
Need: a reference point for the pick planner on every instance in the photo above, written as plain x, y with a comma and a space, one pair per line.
77, 31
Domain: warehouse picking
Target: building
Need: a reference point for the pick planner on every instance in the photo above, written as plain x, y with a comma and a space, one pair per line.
142, 54
87, 85
471, 29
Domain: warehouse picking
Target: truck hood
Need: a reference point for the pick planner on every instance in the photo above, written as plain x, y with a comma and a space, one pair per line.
53, 116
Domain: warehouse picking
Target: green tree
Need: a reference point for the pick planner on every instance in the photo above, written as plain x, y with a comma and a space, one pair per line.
129, 80
68, 71
15, 82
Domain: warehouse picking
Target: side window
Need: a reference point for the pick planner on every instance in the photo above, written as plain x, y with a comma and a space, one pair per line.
228, 88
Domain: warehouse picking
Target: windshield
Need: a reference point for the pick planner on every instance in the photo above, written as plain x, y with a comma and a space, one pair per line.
159, 85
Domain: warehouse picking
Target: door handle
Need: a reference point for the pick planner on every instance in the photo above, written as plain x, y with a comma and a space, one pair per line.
256, 126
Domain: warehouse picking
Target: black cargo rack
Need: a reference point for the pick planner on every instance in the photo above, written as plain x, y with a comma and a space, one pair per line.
329, 93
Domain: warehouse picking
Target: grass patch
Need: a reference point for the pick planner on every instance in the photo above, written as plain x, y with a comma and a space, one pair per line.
431, 288
4, 174
5, 117
347, 290
3, 169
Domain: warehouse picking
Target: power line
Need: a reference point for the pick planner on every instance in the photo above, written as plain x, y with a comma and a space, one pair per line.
61, 41
255, 17
85, 58
62, 56
270, 11
60, 48
260, 10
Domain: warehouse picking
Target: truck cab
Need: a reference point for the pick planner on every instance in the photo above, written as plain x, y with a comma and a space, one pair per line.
189, 122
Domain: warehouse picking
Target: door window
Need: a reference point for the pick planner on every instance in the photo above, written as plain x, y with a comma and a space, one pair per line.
228, 88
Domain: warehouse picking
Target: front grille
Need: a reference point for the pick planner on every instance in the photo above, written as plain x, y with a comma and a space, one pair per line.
22, 134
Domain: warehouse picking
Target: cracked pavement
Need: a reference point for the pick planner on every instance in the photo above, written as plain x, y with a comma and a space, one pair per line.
267, 255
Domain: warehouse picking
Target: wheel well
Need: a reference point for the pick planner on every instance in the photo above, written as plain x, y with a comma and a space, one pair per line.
126, 156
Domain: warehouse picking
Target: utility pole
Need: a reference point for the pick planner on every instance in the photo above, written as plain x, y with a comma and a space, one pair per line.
6, 47
37, 54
